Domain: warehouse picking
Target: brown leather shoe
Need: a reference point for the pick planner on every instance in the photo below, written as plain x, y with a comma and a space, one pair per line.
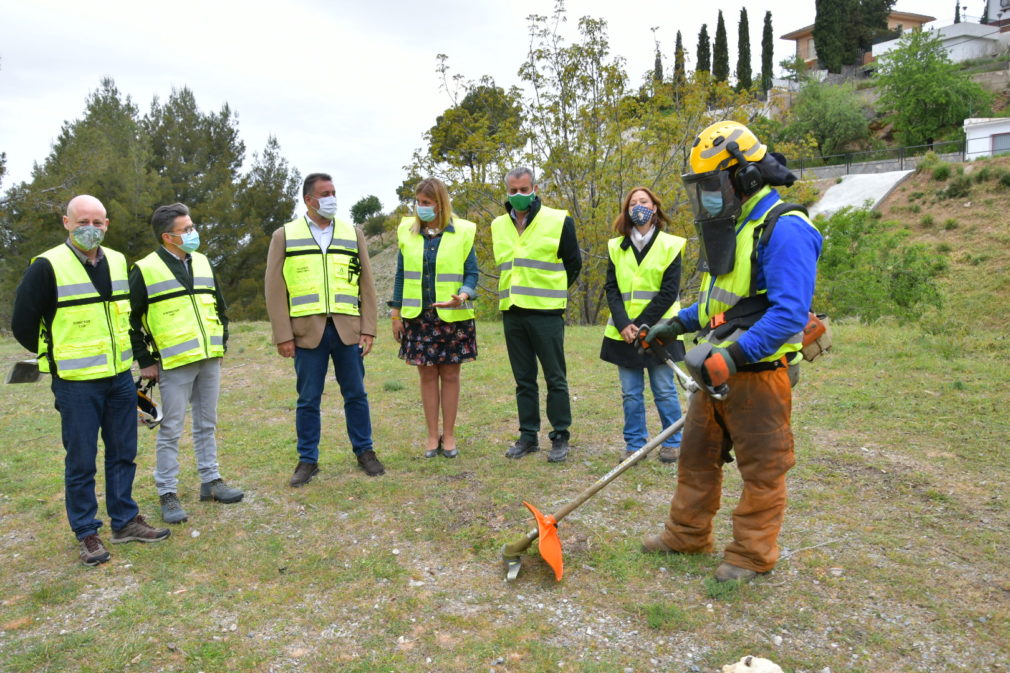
138, 530
727, 572
303, 473
370, 463
669, 454
93, 551
653, 544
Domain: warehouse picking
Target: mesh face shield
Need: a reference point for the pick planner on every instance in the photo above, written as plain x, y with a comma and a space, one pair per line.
716, 208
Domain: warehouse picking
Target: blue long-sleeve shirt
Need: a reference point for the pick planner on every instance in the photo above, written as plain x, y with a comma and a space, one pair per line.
471, 274
787, 267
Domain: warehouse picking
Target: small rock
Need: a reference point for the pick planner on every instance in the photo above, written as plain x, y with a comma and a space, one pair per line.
396, 552
497, 662
195, 533
776, 640
416, 583
837, 572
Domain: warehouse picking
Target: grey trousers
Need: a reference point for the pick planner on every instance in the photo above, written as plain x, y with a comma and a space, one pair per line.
198, 383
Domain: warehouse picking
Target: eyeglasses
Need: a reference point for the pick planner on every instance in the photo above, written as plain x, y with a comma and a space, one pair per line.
188, 230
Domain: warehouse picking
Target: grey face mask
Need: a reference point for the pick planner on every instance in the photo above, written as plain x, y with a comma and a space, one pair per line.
87, 237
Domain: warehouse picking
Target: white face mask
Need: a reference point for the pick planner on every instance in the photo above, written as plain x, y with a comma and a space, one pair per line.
327, 207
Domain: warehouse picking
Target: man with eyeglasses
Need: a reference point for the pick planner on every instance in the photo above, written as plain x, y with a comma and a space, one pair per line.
72, 307
537, 255
178, 311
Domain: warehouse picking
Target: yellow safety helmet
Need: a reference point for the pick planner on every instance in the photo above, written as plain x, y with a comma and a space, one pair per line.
709, 151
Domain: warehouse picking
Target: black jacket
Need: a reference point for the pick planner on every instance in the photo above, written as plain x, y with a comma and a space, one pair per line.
624, 354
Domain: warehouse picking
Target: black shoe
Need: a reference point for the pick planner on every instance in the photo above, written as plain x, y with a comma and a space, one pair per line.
303, 473
521, 448
370, 464
559, 450
431, 453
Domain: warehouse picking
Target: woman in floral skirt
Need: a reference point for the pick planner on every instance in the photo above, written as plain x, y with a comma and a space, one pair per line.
432, 307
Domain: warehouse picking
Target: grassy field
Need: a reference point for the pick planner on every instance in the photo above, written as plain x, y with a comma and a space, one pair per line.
895, 543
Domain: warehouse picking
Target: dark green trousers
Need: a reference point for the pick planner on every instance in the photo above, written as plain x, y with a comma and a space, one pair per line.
532, 337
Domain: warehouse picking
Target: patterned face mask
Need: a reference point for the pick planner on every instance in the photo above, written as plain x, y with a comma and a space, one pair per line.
640, 215
87, 237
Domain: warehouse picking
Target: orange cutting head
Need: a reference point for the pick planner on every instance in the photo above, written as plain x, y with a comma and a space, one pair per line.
550, 544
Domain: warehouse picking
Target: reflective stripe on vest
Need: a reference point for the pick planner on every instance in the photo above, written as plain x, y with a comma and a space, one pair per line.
89, 337
721, 293
184, 324
319, 282
640, 283
453, 249
530, 273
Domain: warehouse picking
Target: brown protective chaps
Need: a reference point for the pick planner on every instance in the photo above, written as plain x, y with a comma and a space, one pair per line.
753, 420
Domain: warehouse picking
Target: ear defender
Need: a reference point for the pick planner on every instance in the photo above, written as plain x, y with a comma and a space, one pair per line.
747, 176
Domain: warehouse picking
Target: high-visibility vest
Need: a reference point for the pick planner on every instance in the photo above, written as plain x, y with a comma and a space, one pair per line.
89, 337
453, 250
184, 324
530, 273
640, 283
321, 281
720, 293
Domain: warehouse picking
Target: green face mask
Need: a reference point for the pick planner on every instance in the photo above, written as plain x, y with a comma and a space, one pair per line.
521, 202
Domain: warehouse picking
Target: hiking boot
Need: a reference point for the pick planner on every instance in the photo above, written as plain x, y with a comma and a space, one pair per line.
93, 551
727, 572
669, 454
653, 544
303, 473
370, 464
220, 491
559, 450
171, 509
139, 530
521, 448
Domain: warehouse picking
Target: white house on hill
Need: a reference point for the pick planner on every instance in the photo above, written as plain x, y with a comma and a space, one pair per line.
986, 137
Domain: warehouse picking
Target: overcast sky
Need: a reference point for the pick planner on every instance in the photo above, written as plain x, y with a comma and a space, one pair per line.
347, 88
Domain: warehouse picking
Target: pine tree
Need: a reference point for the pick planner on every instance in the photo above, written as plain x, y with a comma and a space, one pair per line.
704, 60
767, 52
743, 71
720, 52
678, 62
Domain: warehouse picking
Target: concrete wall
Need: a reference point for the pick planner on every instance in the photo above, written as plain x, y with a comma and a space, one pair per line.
884, 166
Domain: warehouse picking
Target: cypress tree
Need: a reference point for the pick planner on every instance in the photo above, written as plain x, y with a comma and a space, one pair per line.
678, 62
767, 51
657, 70
957, 12
720, 52
828, 29
704, 60
743, 72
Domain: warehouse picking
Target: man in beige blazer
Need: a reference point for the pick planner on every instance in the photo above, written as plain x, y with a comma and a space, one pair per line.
321, 302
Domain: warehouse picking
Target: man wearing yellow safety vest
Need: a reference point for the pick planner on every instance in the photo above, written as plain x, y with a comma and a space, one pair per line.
72, 307
178, 310
322, 307
537, 255
759, 264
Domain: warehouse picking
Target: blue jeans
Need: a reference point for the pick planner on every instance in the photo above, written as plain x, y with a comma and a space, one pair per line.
109, 405
310, 368
664, 391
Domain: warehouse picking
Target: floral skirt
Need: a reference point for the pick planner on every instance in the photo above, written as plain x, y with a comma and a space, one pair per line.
428, 340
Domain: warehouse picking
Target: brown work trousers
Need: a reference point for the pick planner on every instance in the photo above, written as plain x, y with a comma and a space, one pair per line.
753, 420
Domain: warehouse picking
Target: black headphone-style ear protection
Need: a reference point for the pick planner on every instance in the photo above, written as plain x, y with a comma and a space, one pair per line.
746, 176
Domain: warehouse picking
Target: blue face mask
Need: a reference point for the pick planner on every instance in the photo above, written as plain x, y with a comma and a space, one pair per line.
712, 202
640, 215
190, 241
426, 213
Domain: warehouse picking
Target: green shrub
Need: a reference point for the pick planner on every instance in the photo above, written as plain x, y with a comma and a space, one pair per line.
1004, 179
943, 248
950, 223
941, 172
926, 221
928, 162
982, 174
914, 208
958, 188
869, 270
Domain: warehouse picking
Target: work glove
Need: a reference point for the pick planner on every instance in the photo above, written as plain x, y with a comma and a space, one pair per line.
666, 333
718, 366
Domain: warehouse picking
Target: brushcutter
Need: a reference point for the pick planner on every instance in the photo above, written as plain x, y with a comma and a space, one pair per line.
547, 530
